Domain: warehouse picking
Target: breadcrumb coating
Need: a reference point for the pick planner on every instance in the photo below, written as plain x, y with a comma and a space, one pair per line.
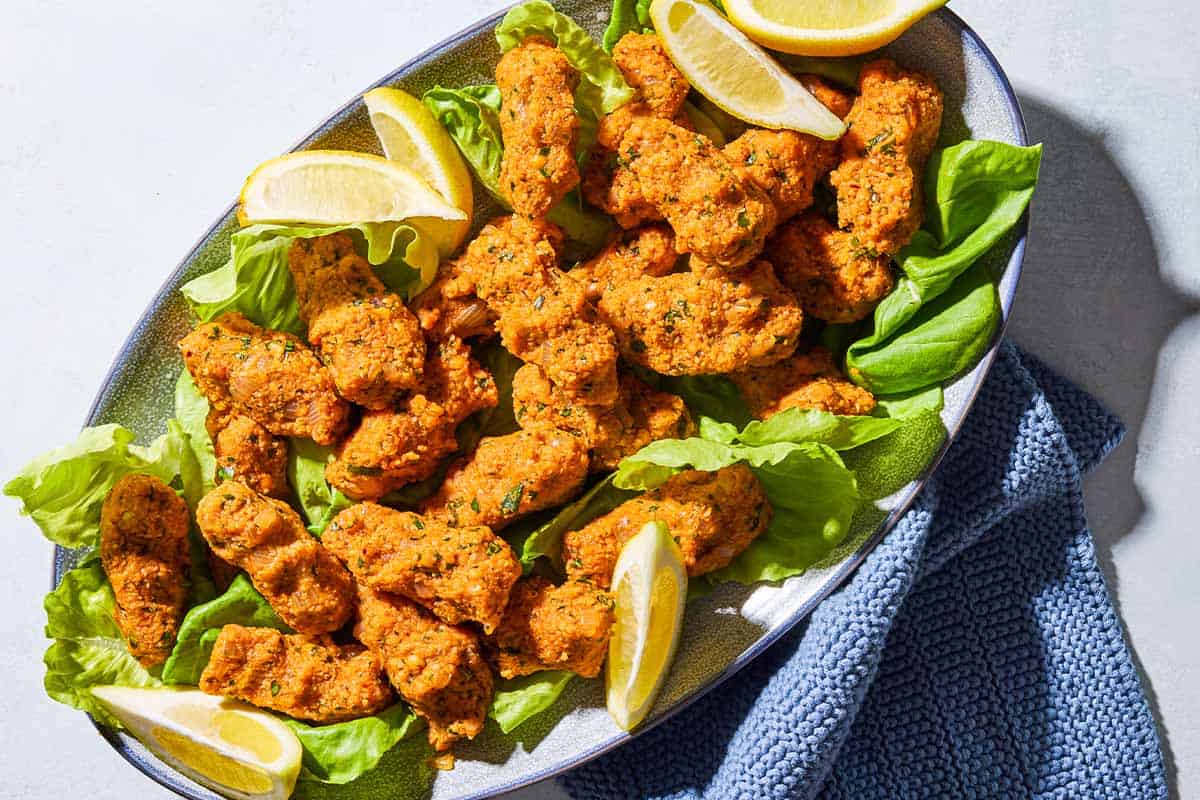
660, 90
305, 677
437, 668
392, 448
704, 323
715, 211
610, 185
807, 380
894, 126
640, 416
538, 123
509, 477
368, 339
144, 552
460, 574
834, 276
649, 250
450, 307
713, 517
543, 313
302, 581
246, 451
553, 627
269, 376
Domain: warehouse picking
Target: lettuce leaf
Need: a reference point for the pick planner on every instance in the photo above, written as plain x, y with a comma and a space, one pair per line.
518, 699
241, 604
602, 87
628, 16
809, 425
191, 411
256, 280
403, 771
842, 71
714, 400
88, 649
344, 751
813, 495
64, 489
319, 501
946, 336
976, 191
470, 116
713, 396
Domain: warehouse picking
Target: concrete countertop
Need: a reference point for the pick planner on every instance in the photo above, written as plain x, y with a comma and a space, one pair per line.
128, 127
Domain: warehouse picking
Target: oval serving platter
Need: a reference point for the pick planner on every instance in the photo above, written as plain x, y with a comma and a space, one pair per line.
724, 630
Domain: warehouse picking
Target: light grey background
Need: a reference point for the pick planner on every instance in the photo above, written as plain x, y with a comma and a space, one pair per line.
125, 128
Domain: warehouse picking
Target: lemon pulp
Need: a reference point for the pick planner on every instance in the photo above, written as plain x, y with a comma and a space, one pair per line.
649, 583
213, 765
824, 15
661, 630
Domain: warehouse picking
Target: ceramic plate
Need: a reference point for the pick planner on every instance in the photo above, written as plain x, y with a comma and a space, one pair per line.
723, 631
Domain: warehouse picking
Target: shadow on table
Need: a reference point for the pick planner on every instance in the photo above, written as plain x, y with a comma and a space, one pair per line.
1093, 303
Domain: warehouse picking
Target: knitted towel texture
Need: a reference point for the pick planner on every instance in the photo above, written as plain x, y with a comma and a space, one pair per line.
975, 653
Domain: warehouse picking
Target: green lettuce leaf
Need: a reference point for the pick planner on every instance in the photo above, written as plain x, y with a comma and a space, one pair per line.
345, 751
64, 489
842, 71
602, 88
976, 192
719, 406
470, 116
628, 16
809, 425
518, 699
191, 411
713, 396
403, 772
813, 495
256, 280
319, 501
88, 649
239, 605
945, 337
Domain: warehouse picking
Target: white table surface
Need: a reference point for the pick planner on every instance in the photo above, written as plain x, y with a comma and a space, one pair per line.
125, 127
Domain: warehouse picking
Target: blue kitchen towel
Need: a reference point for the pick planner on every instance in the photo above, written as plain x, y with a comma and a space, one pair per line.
975, 652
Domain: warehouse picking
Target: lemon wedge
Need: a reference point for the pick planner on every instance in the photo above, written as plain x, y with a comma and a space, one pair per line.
736, 74
650, 588
228, 746
822, 28
338, 187
410, 135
